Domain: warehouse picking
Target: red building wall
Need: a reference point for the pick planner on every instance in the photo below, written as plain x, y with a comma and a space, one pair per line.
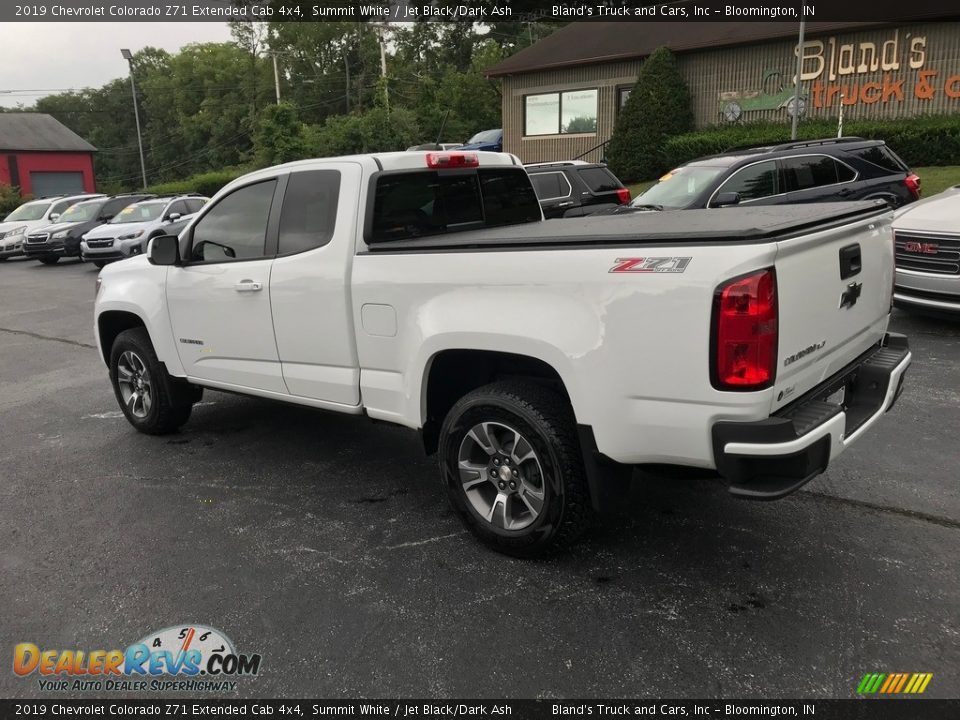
27, 162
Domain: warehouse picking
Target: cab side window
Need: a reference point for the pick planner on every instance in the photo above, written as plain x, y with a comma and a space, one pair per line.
309, 210
236, 227
754, 181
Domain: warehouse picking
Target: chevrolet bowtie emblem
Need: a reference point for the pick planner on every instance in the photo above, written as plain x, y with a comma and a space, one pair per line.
851, 295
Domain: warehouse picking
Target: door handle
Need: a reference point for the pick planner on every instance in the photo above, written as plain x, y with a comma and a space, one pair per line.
843, 192
248, 286
565, 204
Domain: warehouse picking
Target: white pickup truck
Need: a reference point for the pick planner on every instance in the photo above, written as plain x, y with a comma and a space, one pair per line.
541, 360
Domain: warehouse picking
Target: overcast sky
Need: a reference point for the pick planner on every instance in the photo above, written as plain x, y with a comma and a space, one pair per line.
41, 56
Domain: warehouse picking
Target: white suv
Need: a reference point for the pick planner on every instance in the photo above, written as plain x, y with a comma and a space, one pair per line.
31, 216
129, 231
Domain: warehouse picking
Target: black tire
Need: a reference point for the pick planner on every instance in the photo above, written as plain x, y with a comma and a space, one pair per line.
4, 259
49, 259
171, 400
100, 263
545, 422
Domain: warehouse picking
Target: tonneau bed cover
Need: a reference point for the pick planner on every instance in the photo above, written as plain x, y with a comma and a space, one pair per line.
745, 224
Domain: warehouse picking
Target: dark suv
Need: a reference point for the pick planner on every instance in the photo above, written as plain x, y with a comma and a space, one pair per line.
575, 188
62, 239
830, 170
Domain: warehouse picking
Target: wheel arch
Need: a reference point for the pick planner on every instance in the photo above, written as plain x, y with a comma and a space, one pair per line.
452, 373
110, 323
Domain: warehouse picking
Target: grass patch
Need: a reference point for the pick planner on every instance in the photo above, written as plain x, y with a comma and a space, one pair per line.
933, 180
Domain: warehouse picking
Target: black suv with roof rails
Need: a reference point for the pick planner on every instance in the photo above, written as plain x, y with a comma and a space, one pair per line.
574, 188
829, 170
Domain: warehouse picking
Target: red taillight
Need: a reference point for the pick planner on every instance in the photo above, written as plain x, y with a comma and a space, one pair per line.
913, 184
623, 196
745, 332
452, 160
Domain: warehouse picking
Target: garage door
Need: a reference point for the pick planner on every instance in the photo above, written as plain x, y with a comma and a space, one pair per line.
56, 183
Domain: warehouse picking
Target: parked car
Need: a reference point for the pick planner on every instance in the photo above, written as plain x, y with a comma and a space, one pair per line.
491, 140
130, 229
829, 170
541, 360
32, 216
435, 146
927, 237
62, 239
576, 188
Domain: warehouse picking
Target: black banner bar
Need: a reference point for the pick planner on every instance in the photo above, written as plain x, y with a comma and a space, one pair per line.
872, 709
474, 10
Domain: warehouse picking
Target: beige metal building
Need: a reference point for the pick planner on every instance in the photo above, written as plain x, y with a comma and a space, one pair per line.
561, 96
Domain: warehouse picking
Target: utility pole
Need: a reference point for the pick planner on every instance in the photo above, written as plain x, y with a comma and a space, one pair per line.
382, 29
796, 80
128, 56
276, 75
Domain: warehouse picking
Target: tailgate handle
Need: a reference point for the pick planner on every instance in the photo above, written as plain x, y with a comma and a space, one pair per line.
850, 261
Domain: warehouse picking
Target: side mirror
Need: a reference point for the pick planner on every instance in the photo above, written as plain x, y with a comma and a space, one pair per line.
173, 217
726, 199
105, 218
54, 217
164, 250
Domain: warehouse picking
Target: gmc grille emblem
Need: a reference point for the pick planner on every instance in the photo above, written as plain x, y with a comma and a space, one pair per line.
923, 248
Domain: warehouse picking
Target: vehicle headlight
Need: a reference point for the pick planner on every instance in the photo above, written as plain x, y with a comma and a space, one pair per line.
10, 233
60, 235
131, 236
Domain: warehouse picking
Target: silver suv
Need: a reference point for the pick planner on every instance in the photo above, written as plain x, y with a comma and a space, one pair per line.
127, 234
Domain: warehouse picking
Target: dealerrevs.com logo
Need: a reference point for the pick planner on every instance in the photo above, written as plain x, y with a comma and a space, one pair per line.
181, 657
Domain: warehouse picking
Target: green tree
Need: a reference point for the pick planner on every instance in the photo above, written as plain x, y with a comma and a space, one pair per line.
279, 136
658, 108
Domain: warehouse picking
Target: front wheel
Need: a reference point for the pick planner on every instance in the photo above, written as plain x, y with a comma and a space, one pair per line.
100, 263
49, 259
152, 401
513, 469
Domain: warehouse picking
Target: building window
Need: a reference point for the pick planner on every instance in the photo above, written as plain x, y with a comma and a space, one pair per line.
622, 95
555, 113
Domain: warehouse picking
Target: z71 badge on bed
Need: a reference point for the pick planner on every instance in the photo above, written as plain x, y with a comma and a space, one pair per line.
651, 265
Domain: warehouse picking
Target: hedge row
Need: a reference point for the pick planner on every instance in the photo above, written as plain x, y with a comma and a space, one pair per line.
205, 183
922, 141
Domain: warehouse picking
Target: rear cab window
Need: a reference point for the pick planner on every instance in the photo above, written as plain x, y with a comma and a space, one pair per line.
434, 202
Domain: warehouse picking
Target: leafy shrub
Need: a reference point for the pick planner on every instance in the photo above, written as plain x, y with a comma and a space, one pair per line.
920, 141
658, 109
10, 200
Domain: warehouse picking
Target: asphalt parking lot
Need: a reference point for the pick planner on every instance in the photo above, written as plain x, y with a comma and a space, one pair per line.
323, 543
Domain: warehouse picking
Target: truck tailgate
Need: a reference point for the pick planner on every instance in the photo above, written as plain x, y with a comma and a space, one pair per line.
834, 289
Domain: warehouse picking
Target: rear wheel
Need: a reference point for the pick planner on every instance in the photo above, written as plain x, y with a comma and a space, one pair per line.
152, 401
49, 259
513, 469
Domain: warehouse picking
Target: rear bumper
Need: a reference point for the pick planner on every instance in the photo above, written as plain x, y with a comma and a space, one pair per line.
768, 459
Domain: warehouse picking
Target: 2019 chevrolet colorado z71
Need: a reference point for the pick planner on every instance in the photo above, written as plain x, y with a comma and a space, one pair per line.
540, 359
